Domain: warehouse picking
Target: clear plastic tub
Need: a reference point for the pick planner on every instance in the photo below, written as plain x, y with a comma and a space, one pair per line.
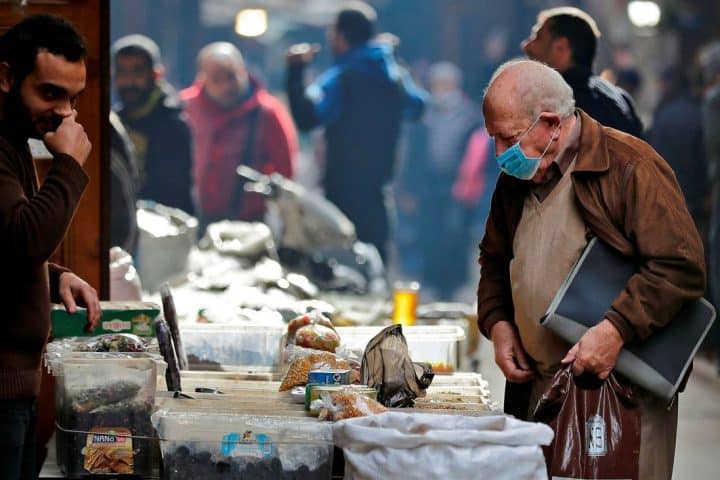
103, 415
233, 347
438, 345
234, 445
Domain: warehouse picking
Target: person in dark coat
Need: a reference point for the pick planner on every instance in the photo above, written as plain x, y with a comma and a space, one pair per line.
153, 116
361, 101
677, 135
565, 38
124, 178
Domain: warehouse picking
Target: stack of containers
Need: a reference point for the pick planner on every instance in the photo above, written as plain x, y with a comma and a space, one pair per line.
233, 347
103, 414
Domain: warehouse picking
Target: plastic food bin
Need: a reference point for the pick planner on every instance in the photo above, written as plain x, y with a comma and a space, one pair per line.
212, 445
233, 347
103, 416
438, 345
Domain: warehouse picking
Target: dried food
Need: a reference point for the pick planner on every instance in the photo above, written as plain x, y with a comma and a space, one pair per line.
91, 398
118, 342
184, 465
346, 404
300, 367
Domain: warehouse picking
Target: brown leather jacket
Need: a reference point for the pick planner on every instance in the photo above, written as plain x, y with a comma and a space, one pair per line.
628, 197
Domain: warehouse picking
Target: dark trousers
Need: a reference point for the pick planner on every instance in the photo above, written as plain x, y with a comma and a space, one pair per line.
17, 439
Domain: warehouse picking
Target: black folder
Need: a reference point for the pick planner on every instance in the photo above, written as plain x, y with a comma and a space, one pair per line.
658, 363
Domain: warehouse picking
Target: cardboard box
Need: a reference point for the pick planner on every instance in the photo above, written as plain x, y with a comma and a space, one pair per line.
117, 317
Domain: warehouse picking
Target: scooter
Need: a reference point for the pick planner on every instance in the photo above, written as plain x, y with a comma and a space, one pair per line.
315, 238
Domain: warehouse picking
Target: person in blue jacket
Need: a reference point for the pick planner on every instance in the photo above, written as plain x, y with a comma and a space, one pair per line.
361, 102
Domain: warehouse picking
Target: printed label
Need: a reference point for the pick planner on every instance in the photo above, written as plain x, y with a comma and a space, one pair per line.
247, 445
109, 450
116, 325
141, 325
596, 436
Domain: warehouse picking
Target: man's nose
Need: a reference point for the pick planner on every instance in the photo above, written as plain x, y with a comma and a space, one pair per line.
524, 44
64, 108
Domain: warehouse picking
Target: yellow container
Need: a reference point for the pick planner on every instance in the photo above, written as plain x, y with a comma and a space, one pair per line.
405, 301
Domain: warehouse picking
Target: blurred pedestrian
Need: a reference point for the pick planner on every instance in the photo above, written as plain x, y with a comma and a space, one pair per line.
677, 135
566, 38
710, 68
153, 117
424, 185
235, 121
124, 178
361, 101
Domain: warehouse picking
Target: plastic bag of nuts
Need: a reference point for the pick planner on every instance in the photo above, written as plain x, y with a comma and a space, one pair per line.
304, 360
346, 404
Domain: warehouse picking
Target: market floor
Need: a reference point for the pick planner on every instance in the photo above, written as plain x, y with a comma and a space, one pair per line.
697, 455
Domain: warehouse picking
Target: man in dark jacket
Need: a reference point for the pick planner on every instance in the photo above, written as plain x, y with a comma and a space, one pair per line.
566, 39
677, 135
42, 73
361, 101
153, 116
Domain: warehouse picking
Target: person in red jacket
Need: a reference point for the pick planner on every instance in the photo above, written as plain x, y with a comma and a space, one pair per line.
234, 121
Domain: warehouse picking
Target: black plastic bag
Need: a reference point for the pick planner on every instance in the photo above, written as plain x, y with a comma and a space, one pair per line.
596, 425
386, 365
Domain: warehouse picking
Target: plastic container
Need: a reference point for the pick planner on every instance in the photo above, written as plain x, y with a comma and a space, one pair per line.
233, 347
234, 445
438, 345
103, 415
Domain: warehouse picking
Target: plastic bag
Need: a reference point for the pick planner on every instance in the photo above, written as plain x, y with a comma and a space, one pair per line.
344, 404
304, 360
596, 424
386, 363
124, 280
318, 337
310, 318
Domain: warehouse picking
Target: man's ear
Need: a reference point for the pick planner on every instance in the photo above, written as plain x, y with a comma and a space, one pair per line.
6, 78
561, 53
158, 73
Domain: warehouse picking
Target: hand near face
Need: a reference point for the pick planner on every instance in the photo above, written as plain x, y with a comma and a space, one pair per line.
69, 139
75, 291
597, 351
509, 353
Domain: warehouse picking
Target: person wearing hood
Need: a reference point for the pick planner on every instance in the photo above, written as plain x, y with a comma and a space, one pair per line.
361, 102
153, 116
235, 121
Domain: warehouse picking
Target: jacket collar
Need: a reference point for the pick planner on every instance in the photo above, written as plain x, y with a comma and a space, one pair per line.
593, 154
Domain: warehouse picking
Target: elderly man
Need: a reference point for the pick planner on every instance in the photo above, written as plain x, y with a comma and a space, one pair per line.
234, 121
565, 178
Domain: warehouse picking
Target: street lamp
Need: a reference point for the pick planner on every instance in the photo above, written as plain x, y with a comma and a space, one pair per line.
644, 14
251, 22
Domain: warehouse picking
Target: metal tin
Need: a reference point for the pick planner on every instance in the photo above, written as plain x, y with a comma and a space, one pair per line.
329, 376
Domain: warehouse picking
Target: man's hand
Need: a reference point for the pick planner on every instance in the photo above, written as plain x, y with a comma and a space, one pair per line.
69, 138
301, 53
509, 353
75, 291
597, 351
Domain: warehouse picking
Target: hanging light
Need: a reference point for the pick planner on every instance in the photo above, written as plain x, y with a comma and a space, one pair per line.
644, 13
251, 22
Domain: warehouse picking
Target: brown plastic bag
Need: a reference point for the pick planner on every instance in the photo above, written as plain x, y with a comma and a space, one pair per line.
596, 425
386, 365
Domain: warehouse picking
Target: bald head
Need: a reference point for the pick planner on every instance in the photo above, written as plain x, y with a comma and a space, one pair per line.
222, 71
525, 88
